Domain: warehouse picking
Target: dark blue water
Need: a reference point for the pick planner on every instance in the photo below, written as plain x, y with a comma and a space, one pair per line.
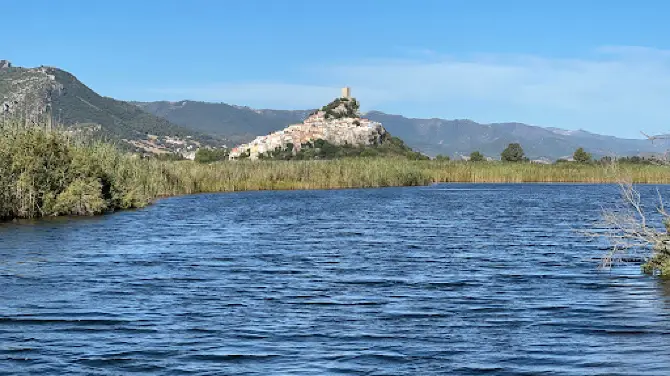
447, 279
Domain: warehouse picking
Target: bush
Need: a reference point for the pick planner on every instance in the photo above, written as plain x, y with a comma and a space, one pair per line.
636, 160
81, 197
369, 152
207, 155
48, 174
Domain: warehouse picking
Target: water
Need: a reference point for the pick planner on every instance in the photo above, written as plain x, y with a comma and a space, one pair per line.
447, 279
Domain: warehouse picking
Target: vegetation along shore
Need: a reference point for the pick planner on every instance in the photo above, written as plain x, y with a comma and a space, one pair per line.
49, 174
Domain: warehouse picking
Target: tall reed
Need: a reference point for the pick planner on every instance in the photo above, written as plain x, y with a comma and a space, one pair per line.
49, 173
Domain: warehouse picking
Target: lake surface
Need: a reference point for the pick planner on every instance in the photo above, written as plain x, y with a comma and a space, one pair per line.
453, 279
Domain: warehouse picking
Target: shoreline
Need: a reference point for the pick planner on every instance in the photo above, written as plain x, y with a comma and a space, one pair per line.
26, 221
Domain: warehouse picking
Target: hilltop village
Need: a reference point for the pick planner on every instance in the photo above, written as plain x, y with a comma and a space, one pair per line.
338, 123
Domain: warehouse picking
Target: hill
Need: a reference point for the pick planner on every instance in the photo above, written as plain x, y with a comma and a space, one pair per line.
236, 123
430, 136
334, 131
54, 96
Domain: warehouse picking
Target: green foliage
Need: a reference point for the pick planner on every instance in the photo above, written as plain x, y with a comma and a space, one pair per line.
476, 156
636, 160
513, 153
47, 174
207, 155
416, 156
83, 196
244, 155
322, 149
580, 156
168, 157
350, 107
659, 263
441, 157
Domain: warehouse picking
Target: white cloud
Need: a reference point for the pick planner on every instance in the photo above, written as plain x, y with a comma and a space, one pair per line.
615, 90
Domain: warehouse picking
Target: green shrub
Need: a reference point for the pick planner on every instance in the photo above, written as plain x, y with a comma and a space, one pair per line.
209, 155
46, 173
81, 197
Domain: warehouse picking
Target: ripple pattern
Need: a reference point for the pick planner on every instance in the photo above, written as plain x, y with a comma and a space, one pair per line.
453, 279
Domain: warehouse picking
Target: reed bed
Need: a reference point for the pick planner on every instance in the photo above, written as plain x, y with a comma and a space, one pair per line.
537, 173
49, 174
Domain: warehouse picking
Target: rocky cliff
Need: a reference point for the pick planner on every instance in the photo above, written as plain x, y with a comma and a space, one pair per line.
27, 94
338, 123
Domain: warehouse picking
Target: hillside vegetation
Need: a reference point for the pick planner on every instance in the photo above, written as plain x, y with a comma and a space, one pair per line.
322, 149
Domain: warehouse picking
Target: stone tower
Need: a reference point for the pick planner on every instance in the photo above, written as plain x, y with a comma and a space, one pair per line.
346, 92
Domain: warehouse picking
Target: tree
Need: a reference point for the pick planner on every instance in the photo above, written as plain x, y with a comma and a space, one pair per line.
476, 156
207, 155
441, 157
580, 156
513, 153
628, 228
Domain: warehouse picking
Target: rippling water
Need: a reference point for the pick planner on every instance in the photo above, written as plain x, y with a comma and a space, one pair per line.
448, 279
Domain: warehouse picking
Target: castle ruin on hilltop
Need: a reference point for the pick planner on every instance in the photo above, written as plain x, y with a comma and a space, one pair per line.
5, 64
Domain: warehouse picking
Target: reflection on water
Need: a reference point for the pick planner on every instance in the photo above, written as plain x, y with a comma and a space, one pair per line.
447, 279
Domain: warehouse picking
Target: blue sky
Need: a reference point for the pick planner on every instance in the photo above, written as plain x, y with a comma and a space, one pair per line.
599, 65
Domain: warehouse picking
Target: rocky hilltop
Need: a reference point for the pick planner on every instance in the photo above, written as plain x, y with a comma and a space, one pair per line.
338, 123
27, 94
51, 96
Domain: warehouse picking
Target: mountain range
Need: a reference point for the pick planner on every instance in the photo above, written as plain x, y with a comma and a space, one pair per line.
430, 136
35, 94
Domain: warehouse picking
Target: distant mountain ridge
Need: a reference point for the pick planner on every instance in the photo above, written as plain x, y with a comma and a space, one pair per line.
460, 137
237, 123
430, 136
